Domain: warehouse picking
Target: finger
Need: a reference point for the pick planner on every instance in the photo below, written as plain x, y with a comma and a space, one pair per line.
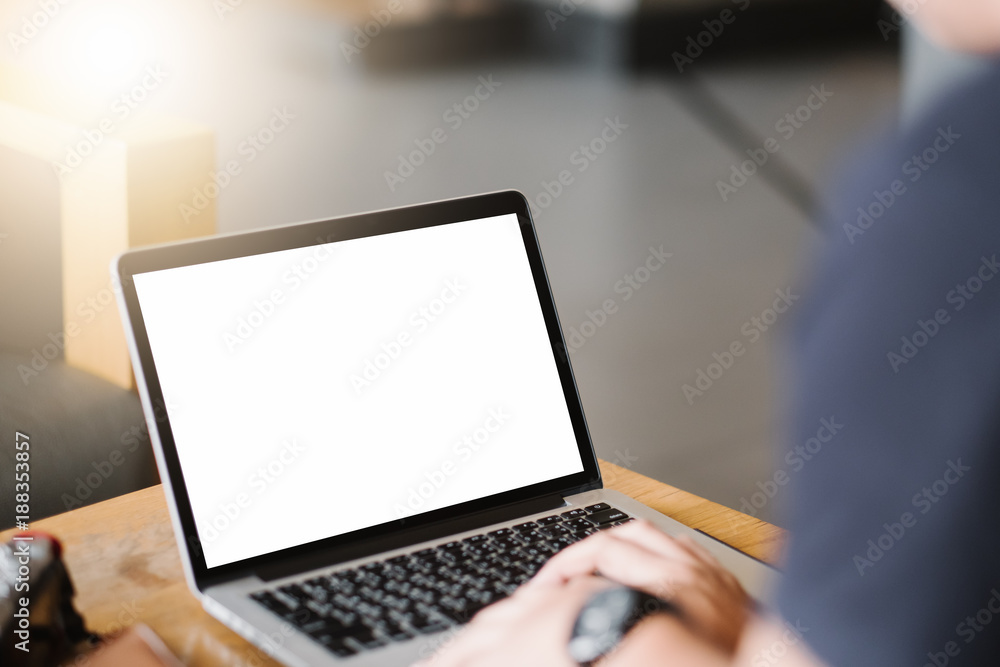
718, 619
651, 537
625, 563
492, 629
698, 550
682, 547
712, 564
582, 558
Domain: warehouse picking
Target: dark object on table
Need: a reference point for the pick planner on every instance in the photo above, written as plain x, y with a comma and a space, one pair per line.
38, 623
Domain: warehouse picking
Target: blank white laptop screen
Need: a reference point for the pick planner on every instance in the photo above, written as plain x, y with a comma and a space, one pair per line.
321, 390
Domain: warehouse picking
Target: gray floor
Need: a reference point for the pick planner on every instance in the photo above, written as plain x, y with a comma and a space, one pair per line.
654, 186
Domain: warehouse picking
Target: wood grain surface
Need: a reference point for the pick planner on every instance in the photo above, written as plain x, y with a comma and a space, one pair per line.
125, 566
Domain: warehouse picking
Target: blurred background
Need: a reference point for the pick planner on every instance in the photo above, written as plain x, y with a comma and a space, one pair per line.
706, 127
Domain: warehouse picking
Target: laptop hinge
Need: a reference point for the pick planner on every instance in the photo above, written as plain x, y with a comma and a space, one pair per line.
406, 537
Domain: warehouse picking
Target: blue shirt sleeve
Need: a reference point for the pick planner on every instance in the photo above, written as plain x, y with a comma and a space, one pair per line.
894, 552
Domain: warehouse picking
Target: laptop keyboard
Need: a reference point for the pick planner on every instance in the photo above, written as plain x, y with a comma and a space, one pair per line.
429, 590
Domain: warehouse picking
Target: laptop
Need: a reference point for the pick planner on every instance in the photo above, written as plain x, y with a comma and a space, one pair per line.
368, 427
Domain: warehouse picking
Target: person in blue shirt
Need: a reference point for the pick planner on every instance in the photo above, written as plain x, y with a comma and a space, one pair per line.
894, 553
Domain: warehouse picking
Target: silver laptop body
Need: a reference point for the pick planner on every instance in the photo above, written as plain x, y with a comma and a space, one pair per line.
329, 398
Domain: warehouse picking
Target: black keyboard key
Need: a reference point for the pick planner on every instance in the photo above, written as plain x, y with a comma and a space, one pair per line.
507, 558
531, 536
330, 627
365, 636
318, 608
530, 568
477, 582
607, 516
374, 595
599, 507
451, 557
339, 584
504, 574
573, 514
268, 600
296, 591
549, 520
425, 625
396, 573
427, 564
578, 524
522, 527
502, 532
370, 580
336, 645
351, 576
505, 544
561, 543
554, 531
527, 551
316, 626
289, 601
476, 551
392, 630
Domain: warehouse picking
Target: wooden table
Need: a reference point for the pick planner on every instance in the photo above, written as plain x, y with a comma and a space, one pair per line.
124, 563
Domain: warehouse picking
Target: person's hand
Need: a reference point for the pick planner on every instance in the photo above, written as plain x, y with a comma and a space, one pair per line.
679, 570
532, 627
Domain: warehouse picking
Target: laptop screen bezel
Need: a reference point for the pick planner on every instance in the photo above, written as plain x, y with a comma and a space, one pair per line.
333, 230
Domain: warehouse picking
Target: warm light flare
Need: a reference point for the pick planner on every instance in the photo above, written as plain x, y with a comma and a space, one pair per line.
108, 48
